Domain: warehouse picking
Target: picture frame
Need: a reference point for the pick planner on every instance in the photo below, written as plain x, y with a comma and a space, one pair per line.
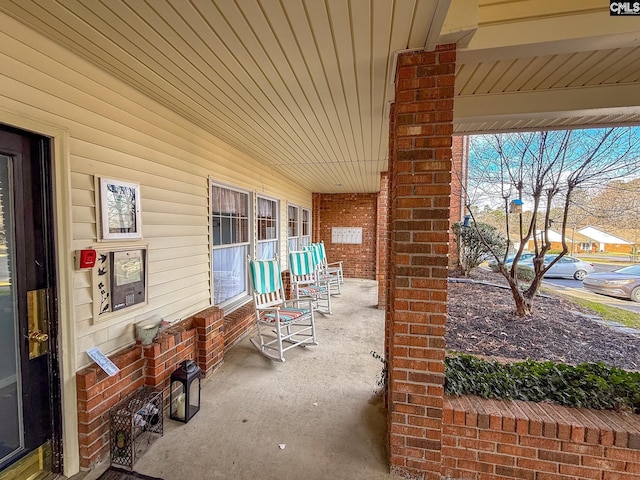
120, 209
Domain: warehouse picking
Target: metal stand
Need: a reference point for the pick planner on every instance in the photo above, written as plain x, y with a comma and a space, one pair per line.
135, 422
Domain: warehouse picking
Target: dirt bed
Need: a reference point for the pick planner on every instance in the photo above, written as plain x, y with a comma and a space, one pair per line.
481, 321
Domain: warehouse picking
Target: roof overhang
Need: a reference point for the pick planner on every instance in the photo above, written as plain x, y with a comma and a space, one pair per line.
304, 86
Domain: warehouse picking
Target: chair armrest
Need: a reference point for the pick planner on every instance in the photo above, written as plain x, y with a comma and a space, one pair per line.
334, 263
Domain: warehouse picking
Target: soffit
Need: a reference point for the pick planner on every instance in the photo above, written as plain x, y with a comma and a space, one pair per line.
301, 85
546, 64
304, 85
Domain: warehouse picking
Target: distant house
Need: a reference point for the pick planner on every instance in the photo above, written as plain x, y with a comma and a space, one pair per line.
601, 241
574, 241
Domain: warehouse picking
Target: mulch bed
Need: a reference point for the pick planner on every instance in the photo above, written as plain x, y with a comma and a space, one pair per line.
481, 321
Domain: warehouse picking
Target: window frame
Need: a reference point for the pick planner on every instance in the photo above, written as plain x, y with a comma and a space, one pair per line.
300, 238
305, 239
259, 241
233, 302
297, 224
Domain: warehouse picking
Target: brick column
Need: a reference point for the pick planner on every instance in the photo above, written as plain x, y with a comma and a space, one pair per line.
459, 159
316, 204
420, 191
381, 239
209, 339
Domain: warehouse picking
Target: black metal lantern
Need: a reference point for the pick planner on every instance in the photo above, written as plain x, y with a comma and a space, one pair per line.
184, 400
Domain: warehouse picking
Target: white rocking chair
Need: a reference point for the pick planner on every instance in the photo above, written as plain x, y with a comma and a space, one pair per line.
307, 283
282, 324
324, 273
333, 268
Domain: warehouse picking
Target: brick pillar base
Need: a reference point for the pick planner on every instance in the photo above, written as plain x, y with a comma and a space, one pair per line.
420, 190
210, 339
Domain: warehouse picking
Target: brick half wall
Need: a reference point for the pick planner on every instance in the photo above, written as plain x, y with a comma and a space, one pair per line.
200, 338
510, 439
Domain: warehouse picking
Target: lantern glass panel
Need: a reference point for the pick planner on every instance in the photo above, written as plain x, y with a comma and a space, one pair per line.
194, 396
178, 401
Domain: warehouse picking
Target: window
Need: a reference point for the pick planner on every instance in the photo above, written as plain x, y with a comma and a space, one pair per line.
267, 219
306, 227
299, 226
230, 243
293, 228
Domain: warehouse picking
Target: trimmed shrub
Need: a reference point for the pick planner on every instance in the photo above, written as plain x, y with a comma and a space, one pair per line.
588, 385
526, 274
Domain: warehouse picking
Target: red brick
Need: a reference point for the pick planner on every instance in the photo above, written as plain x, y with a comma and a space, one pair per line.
537, 465
619, 476
496, 459
542, 443
553, 476
623, 454
580, 472
603, 463
513, 472
569, 458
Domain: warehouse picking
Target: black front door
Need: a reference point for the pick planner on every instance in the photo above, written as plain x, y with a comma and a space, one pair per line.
29, 386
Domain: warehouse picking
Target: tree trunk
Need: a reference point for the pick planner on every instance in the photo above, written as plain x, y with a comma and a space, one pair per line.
524, 306
524, 303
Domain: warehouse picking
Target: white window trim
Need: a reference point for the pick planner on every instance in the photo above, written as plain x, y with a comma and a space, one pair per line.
302, 235
232, 303
278, 229
299, 235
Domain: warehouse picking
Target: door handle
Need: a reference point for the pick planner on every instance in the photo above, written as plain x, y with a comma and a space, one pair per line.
38, 336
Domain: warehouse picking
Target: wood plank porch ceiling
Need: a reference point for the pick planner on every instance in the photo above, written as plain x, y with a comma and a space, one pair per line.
305, 85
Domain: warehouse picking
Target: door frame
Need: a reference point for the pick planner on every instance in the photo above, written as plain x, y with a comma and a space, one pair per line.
62, 223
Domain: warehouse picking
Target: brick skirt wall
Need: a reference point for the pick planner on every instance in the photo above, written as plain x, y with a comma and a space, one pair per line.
508, 440
203, 338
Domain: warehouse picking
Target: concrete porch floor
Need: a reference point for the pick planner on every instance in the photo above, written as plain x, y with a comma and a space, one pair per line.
320, 404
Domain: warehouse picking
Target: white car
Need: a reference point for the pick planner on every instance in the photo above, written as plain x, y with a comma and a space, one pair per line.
566, 267
493, 264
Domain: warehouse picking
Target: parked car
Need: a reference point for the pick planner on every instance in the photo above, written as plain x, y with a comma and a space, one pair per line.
566, 267
623, 283
493, 264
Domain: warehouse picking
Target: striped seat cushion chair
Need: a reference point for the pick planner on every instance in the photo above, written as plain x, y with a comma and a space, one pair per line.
281, 324
331, 275
333, 267
305, 281
284, 314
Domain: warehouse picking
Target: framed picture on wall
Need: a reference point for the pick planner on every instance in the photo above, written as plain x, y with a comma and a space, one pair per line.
120, 209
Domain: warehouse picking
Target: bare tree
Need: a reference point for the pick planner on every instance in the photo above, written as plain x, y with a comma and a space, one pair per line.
542, 171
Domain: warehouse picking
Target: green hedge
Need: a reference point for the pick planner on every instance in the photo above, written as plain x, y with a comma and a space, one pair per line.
588, 385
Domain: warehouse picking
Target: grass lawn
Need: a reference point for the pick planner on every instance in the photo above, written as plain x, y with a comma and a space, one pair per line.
612, 314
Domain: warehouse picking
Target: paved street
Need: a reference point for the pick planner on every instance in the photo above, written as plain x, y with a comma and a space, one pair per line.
574, 288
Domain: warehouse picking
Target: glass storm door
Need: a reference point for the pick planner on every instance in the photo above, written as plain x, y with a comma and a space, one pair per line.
27, 329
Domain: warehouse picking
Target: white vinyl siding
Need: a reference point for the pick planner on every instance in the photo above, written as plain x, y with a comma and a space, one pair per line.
117, 132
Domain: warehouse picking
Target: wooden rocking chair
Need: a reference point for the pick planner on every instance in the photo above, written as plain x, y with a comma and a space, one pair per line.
307, 283
282, 324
